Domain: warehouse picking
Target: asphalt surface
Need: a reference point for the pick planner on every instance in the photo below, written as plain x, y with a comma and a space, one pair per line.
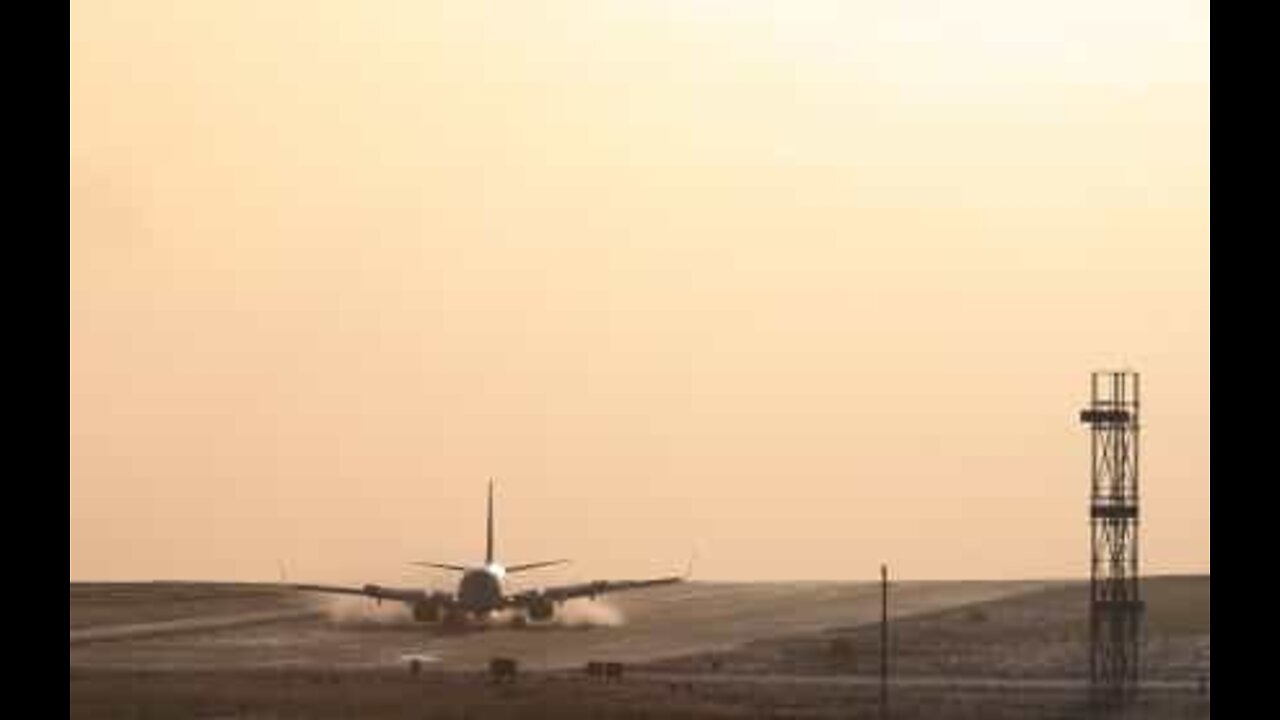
636, 627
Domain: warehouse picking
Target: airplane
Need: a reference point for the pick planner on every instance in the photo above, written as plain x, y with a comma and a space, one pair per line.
480, 590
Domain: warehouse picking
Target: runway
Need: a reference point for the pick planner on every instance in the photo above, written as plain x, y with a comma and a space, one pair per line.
283, 630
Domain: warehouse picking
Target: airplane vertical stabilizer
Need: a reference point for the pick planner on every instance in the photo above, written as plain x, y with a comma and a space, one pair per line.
488, 545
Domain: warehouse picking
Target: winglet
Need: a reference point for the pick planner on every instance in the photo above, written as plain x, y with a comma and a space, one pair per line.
688, 570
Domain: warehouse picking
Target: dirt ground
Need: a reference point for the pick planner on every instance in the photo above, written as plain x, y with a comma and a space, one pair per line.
387, 694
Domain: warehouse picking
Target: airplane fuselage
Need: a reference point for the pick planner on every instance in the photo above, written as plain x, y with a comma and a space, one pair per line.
480, 590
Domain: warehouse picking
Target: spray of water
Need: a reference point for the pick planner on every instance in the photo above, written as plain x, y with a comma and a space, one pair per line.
360, 612
579, 613
589, 613
356, 612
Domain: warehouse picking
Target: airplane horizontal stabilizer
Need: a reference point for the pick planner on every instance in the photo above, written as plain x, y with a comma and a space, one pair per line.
442, 566
541, 563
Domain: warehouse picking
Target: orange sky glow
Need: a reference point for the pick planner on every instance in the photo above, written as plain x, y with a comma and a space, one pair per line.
805, 285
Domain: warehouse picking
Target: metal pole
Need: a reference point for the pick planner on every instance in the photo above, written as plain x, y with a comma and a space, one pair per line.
884, 641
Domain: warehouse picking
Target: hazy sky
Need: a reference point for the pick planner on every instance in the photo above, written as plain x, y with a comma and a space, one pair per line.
805, 285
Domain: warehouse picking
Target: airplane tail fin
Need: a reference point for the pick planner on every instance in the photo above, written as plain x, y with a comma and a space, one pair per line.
533, 565
488, 545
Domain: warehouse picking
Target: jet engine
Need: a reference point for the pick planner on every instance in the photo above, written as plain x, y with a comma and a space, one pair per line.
426, 611
541, 609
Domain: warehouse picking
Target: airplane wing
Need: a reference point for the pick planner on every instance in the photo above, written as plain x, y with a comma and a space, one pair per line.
377, 592
560, 593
